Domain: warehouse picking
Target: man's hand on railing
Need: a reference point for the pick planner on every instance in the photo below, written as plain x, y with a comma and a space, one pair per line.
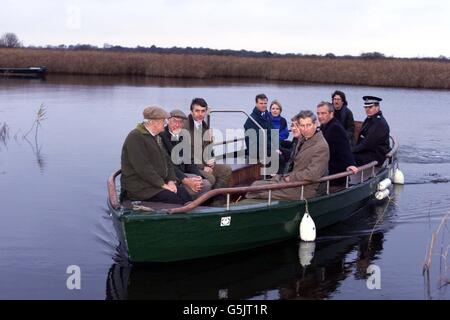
353, 169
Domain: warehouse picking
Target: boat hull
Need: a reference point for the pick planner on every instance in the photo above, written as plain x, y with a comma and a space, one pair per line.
159, 237
32, 72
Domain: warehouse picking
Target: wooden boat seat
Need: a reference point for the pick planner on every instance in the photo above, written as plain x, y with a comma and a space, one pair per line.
244, 174
246, 201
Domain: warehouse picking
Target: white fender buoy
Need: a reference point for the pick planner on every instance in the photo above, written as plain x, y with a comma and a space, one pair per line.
380, 195
306, 252
399, 178
307, 226
384, 184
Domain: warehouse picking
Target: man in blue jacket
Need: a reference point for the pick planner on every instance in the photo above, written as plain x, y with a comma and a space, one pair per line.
262, 117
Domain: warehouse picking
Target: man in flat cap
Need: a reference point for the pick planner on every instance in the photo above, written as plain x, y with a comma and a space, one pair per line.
373, 141
189, 174
147, 172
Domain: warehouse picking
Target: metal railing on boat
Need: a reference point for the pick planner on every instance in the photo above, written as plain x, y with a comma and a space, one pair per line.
114, 201
255, 122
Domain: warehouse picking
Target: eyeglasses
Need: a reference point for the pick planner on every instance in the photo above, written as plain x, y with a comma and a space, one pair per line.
306, 125
176, 121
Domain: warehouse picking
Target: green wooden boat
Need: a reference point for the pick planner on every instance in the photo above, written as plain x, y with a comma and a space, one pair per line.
171, 233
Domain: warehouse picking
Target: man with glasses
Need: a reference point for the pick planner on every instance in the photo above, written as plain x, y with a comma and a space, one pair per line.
188, 174
373, 140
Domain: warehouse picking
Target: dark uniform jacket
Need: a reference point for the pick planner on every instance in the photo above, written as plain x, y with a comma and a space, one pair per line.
182, 168
264, 120
345, 117
340, 152
373, 141
145, 165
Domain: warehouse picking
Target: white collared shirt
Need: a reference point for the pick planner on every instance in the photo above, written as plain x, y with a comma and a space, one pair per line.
198, 124
175, 137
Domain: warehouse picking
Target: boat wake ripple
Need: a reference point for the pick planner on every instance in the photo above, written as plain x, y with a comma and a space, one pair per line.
428, 178
412, 154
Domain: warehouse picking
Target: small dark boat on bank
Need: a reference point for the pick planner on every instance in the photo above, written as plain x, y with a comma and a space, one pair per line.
30, 72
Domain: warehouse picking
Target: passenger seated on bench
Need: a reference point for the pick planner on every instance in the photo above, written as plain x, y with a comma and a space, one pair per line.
310, 158
341, 156
147, 172
280, 123
189, 174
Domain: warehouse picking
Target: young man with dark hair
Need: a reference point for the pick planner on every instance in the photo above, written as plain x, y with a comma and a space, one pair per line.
262, 117
217, 174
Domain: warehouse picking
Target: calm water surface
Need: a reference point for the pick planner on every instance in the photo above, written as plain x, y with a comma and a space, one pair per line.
54, 213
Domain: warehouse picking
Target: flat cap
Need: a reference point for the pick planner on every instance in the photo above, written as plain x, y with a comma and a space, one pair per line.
155, 113
371, 100
178, 114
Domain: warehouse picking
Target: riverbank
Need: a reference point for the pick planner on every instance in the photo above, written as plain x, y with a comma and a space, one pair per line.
386, 72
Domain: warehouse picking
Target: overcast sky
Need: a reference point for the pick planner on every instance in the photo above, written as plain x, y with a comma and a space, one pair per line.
401, 28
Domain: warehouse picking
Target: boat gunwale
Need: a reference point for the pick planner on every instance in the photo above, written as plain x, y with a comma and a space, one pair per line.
246, 208
115, 205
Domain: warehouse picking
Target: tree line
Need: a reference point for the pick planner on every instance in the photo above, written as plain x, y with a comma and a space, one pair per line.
10, 40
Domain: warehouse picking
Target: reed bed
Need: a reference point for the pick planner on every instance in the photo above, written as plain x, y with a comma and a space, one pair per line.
387, 72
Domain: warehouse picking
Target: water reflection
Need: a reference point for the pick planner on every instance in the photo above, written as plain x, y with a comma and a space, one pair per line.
289, 270
36, 148
139, 81
4, 134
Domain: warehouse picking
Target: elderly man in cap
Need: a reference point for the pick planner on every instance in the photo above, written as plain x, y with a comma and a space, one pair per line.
189, 174
373, 140
147, 172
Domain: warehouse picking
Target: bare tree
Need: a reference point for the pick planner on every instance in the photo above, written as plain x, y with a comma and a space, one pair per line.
10, 40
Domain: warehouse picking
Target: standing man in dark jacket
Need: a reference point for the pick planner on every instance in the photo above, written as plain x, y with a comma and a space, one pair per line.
341, 157
147, 172
344, 114
262, 117
373, 141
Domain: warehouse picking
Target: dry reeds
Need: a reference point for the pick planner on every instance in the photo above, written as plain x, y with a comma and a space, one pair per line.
390, 72
444, 280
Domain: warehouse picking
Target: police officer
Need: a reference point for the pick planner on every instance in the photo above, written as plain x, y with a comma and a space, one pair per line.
373, 141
